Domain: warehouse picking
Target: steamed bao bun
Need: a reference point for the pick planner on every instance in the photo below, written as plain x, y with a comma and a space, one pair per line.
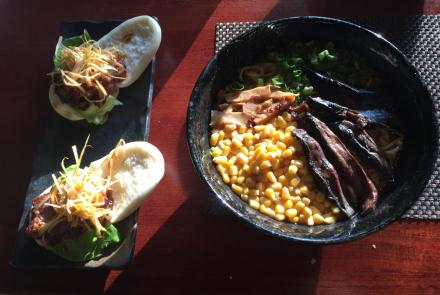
139, 38
137, 167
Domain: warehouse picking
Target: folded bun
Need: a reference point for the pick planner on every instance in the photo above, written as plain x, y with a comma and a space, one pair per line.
139, 38
137, 169
61, 108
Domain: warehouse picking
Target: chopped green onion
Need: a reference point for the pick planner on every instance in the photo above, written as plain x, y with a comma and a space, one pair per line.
307, 90
277, 80
235, 86
296, 73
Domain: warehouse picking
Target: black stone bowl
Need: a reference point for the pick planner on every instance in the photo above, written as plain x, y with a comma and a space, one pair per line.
411, 102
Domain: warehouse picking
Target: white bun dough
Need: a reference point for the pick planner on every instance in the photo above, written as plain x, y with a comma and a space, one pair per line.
139, 38
137, 167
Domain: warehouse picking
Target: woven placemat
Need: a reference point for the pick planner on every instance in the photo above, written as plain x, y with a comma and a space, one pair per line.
419, 38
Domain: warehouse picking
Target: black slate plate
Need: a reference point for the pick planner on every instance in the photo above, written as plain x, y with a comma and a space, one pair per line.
129, 121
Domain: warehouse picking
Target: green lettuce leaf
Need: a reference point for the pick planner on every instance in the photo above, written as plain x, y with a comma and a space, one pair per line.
87, 246
69, 42
95, 115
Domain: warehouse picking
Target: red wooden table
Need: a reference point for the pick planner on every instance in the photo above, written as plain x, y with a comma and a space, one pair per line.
179, 247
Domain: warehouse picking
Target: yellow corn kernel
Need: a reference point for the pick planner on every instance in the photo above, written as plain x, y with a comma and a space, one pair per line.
221, 169
277, 186
237, 189
254, 204
329, 220
226, 149
290, 213
307, 211
289, 129
287, 117
336, 210
288, 139
242, 159
233, 170
254, 192
240, 180
318, 218
216, 151
265, 164
271, 148
298, 163
271, 155
247, 168
230, 127
234, 134
267, 131
226, 142
299, 206
271, 177
288, 204
285, 193
270, 193
294, 219
232, 160
214, 138
295, 181
260, 186
233, 178
242, 129
310, 220
267, 141
267, 203
306, 201
281, 122
259, 128
281, 146
248, 136
292, 170
280, 217
270, 212
282, 179
226, 178
244, 197
222, 160
279, 209
236, 143
295, 199
244, 151
287, 153
221, 135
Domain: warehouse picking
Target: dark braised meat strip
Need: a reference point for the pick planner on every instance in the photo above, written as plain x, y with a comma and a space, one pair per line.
323, 171
357, 186
331, 111
366, 151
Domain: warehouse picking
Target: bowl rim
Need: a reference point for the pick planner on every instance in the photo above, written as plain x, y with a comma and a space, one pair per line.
398, 212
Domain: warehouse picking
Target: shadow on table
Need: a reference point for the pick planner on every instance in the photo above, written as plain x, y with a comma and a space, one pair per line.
216, 254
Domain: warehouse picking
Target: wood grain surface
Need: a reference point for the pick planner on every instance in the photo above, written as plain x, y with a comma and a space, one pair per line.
180, 249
